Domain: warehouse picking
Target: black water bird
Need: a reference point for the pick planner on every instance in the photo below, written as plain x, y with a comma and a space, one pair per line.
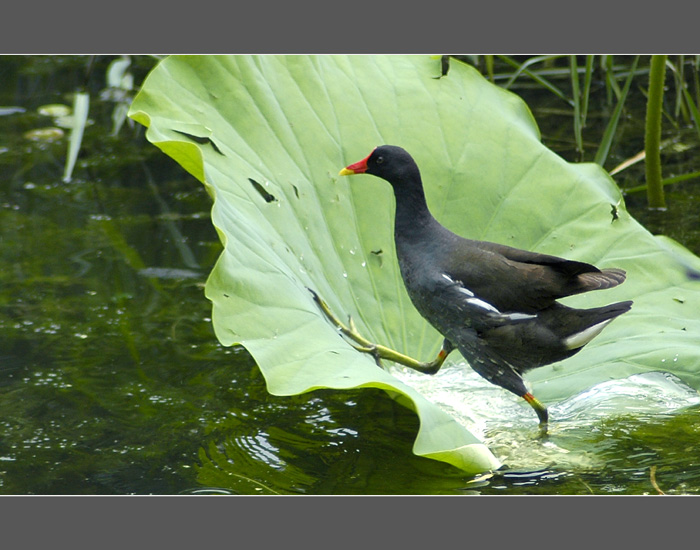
496, 304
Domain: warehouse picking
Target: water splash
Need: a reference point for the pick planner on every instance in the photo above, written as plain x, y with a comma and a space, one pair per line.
509, 428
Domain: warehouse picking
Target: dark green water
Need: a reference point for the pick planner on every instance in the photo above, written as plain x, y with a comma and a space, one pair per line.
111, 379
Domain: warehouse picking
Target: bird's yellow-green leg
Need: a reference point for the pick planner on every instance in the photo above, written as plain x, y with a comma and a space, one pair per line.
435, 364
541, 411
378, 351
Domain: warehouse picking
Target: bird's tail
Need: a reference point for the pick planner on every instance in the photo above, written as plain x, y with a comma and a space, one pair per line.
590, 322
599, 280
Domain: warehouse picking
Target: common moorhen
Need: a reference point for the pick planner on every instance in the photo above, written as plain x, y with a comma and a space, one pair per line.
494, 303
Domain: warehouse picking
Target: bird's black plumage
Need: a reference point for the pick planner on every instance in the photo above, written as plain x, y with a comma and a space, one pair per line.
496, 304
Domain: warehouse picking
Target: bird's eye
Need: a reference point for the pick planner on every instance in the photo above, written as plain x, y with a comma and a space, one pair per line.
379, 160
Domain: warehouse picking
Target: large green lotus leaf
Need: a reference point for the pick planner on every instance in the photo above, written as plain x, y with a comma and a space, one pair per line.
289, 123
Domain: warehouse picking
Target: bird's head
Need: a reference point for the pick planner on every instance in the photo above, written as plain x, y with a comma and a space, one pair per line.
388, 162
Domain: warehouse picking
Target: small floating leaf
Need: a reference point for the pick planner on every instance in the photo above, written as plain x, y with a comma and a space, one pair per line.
54, 110
48, 135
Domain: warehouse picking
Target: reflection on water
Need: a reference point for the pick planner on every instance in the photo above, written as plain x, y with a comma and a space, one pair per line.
356, 442
325, 445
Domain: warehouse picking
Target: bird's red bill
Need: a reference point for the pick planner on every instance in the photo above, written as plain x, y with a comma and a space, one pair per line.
358, 167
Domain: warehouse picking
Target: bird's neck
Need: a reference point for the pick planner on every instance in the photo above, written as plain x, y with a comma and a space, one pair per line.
412, 213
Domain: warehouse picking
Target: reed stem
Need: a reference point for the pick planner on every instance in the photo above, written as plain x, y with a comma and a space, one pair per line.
652, 136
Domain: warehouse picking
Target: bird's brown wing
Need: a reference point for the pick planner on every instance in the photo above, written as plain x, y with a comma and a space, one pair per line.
518, 280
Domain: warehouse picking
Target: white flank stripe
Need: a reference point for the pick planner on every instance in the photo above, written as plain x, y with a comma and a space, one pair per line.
519, 316
480, 303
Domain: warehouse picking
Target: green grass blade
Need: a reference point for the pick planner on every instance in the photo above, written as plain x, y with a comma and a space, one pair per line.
521, 68
588, 77
576, 93
693, 108
488, 59
611, 86
665, 182
604, 148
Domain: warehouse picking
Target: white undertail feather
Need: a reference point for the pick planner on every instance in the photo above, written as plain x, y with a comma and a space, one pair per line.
580, 339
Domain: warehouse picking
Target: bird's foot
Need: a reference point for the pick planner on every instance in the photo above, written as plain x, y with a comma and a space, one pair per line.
378, 351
